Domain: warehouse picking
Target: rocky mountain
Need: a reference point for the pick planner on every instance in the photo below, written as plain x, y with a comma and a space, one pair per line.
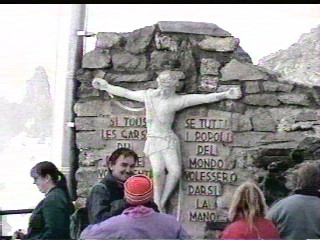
33, 115
299, 63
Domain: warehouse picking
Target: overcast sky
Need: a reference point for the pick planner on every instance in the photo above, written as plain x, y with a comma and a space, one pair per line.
29, 31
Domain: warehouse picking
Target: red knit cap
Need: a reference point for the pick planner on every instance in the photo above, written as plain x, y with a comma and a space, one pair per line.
138, 189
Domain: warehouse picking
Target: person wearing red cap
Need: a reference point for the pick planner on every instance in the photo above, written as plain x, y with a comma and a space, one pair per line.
138, 220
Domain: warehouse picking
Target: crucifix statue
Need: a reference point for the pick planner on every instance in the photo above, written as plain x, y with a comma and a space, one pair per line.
162, 145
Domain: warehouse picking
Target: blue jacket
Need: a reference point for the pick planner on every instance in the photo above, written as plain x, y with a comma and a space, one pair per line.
137, 222
297, 216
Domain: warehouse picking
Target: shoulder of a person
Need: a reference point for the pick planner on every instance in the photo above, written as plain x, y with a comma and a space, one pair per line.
55, 196
99, 186
239, 224
292, 199
234, 230
167, 217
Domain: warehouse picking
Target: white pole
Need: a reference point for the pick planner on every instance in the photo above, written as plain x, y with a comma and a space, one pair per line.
69, 56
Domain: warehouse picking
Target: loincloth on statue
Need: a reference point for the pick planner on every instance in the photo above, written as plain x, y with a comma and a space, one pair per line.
157, 143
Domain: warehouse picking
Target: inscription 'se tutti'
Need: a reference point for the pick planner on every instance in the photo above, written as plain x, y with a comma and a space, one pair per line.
206, 123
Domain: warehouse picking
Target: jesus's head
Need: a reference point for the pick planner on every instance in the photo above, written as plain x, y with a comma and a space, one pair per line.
169, 78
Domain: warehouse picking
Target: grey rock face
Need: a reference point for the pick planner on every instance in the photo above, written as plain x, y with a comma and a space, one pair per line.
300, 62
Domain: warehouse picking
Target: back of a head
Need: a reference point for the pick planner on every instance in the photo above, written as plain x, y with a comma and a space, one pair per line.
308, 176
248, 201
138, 189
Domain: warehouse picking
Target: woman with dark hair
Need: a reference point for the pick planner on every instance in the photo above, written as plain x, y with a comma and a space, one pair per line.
247, 215
51, 217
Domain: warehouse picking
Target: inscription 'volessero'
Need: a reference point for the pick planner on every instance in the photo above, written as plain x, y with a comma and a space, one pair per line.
210, 176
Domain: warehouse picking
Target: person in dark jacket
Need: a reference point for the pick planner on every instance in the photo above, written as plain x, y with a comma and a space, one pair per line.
138, 220
51, 217
106, 199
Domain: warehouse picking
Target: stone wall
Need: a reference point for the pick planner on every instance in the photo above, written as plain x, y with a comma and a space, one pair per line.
262, 136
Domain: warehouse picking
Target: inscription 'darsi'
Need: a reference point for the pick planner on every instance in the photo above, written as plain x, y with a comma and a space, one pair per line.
206, 170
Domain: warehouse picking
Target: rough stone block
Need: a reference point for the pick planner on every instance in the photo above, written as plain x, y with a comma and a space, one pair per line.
165, 42
108, 40
307, 115
98, 73
129, 62
140, 77
92, 108
188, 66
138, 40
84, 76
208, 83
236, 70
164, 60
96, 59
281, 137
91, 158
271, 86
240, 123
294, 99
251, 87
88, 139
84, 91
209, 66
240, 55
247, 139
261, 100
192, 27
225, 44
91, 123
263, 121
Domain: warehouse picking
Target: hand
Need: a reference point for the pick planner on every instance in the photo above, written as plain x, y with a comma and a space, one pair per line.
18, 235
100, 83
233, 93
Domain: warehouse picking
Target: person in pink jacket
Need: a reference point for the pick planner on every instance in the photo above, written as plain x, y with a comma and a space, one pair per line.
247, 215
138, 220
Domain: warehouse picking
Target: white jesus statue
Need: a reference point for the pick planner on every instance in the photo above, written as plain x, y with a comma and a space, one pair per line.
162, 145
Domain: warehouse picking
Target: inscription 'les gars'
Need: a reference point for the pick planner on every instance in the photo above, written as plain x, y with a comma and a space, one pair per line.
124, 134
